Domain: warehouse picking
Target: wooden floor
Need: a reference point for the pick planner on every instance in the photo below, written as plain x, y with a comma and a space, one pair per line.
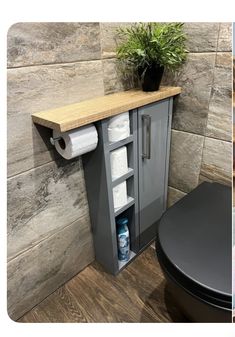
137, 294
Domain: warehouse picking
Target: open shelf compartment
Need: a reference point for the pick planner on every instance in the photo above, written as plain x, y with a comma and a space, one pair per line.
122, 264
124, 177
130, 215
125, 141
130, 202
116, 145
130, 196
130, 164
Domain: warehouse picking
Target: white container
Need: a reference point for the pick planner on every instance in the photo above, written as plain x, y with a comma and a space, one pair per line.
118, 161
119, 127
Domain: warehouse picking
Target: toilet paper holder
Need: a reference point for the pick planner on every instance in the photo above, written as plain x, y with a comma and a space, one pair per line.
53, 140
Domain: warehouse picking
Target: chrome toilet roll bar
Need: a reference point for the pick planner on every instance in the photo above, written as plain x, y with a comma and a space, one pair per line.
53, 140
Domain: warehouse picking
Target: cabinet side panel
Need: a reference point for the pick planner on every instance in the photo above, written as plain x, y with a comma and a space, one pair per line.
168, 150
98, 195
135, 229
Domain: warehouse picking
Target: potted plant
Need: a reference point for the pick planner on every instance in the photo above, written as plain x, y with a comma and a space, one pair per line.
149, 48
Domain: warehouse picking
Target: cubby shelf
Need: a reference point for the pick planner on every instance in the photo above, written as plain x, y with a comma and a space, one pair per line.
130, 202
116, 145
124, 177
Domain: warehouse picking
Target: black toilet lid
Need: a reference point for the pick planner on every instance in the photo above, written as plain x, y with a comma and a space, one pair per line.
195, 236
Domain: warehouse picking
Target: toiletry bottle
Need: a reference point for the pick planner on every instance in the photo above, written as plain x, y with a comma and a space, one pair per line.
123, 240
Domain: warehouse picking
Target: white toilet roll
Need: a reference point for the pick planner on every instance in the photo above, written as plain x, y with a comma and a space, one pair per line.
118, 161
76, 142
120, 195
118, 119
119, 127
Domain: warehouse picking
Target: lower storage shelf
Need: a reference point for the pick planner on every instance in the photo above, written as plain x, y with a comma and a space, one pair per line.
121, 264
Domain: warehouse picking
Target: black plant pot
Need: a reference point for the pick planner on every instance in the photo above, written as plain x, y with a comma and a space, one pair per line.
151, 77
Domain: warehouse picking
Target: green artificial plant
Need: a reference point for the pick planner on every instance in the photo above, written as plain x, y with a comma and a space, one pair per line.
145, 44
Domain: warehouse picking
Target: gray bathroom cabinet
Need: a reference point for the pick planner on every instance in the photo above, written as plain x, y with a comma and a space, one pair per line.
147, 179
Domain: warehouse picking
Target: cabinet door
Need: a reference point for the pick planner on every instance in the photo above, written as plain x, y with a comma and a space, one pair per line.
153, 120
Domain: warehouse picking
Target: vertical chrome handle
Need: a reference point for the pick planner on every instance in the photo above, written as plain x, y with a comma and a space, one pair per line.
146, 139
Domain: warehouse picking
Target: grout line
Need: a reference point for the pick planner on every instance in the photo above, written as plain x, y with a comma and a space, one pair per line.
192, 133
55, 160
205, 136
30, 169
177, 189
52, 64
37, 243
211, 52
211, 92
99, 59
222, 140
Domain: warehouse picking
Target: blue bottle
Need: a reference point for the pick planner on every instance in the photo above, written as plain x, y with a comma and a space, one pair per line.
123, 240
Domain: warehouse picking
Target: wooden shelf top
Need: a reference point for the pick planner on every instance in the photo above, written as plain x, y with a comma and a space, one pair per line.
75, 115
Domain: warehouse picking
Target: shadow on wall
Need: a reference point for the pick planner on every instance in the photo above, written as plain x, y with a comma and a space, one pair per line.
41, 135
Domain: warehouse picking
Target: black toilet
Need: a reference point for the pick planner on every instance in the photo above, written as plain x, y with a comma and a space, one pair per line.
194, 249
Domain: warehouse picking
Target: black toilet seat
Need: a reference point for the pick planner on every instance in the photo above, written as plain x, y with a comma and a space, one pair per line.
194, 244
195, 289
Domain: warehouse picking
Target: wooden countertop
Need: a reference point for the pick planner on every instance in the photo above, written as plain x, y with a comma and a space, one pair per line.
75, 115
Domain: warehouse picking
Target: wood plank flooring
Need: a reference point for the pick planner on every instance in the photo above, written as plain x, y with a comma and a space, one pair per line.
137, 294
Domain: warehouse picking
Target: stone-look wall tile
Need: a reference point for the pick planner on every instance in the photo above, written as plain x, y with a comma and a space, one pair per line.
223, 71
115, 79
234, 74
109, 37
28, 144
32, 89
39, 271
201, 36
225, 37
174, 195
185, 160
219, 124
217, 161
44, 43
42, 201
195, 78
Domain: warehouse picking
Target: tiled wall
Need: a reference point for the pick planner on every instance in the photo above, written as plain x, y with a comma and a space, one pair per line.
201, 146
49, 237
54, 64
